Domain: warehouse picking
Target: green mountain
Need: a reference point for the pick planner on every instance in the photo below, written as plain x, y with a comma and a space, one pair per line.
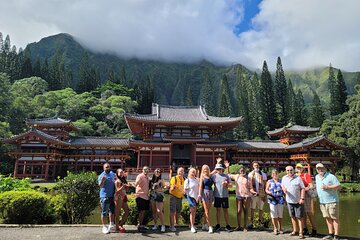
171, 80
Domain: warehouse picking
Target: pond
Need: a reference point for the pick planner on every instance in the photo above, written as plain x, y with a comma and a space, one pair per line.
349, 215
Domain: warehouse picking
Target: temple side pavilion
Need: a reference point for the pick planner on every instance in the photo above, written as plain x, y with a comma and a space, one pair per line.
170, 136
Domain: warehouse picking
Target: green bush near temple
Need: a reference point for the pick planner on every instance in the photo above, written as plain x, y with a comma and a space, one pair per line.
26, 207
10, 183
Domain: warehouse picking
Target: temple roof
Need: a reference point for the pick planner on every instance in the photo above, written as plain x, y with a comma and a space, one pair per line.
312, 141
294, 128
52, 121
99, 141
183, 114
36, 132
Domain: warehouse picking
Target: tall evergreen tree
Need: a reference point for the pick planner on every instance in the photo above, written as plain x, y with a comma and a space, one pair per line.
258, 127
37, 67
26, 66
291, 102
267, 99
316, 117
225, 107
341, 94
122, 75
281, 93
207, 96
300, 111
84, 84
147, 97
189, 97
332, 90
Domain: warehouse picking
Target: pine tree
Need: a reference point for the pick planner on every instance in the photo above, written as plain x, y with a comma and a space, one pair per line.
225, 107
341, 94
258, 127
206, 96
316, 117
300, 111
189, 97
122, 75
267, 99
281, 93
291, 102
111, 74
84, 75
37, 67
26, 66
332, 90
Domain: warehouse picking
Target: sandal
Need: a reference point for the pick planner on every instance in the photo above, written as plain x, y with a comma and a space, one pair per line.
276, 232
293, 234
301, 236
281, 232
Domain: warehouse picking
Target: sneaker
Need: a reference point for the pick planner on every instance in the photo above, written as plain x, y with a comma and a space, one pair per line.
313, 233
250, 226
238, 229
142, 229
336, 237
205, 227
193, 230
330, 236
105, 230
172, 229
228, 228
155, 227
261, 227
163, 228
217, 228
112, 228
306, 231
211, 230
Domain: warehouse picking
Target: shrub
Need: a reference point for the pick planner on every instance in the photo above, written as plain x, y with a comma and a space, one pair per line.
350, 187
185, 213
26, 207
266, 219
10, 183
80, 196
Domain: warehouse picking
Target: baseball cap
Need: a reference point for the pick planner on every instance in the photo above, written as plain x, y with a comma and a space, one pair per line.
299, 165
320, 165
219, 166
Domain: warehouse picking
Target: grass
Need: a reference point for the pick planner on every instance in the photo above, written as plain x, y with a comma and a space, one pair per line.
43, 185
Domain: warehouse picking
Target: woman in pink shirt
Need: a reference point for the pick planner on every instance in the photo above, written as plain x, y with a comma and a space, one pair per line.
244, 190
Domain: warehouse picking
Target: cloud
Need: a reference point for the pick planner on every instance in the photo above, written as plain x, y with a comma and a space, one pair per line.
304, 33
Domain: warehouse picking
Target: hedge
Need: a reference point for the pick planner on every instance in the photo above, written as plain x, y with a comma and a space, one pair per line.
26, 207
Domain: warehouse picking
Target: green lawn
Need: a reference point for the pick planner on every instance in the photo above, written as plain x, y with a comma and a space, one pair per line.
47, 185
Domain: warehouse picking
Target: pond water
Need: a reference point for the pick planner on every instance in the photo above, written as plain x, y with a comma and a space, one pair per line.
349, 215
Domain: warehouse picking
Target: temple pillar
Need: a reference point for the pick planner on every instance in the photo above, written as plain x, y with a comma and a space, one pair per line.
138, 161
47, 168
16, 167
24, 169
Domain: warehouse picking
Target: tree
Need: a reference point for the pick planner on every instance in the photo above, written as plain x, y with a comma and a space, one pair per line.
341, 94
206, 95
189, 97
225, 108
5, 97
291, 104
267, 99
87, 76
332, 90
299, 110
281, 93
316, 117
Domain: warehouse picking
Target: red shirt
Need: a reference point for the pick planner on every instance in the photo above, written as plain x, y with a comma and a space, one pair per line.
306, 178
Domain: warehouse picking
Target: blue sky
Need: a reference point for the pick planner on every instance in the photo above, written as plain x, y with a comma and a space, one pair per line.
304, 33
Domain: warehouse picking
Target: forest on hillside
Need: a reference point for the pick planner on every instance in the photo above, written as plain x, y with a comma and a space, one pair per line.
96, 100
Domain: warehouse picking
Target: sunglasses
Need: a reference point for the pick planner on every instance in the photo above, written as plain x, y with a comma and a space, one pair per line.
289, 170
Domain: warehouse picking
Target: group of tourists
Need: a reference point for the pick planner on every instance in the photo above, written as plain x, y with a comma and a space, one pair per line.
211, 188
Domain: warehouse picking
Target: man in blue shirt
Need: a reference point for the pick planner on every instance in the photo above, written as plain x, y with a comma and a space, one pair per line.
106, 181
327, 186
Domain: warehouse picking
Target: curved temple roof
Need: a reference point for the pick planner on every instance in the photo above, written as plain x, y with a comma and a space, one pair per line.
294, 128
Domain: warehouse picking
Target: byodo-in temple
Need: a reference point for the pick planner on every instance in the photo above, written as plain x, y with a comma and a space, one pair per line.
170, 136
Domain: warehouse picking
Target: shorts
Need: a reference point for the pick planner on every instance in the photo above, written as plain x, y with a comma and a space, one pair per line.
207, 195
276, 211
107, 205
296, 210
330, 210
142, 204
257, 201
175, 204
192, 201
221, 203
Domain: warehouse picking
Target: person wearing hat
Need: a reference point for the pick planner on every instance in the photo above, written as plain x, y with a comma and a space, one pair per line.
308, 204
244, 190
327, 187
221, 194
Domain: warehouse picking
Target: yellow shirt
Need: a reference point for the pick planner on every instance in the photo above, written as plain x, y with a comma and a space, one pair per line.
179, 190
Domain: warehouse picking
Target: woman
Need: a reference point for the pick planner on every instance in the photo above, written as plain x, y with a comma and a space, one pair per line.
191, 187
244, 191
276, 201
206, 194
157, 187
121, 199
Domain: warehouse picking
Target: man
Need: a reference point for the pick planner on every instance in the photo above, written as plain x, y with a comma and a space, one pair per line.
308, 204
106, 181
176, 195
327, 187
294, 190
142, 197
258, 180
221, 194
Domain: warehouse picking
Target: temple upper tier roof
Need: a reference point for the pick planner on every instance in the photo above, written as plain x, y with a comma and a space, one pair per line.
51, 122
181, 114
293, 129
